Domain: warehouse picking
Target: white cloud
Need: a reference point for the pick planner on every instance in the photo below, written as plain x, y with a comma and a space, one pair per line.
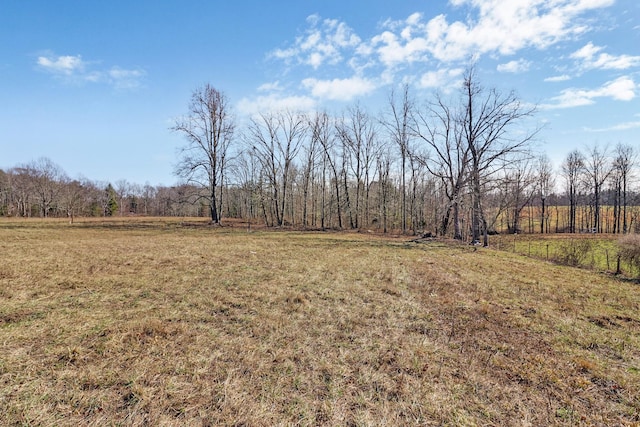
586, 52
270, 87
125, 79
393, 49
73, 69
491, 27
443, 78
590, 58
66, 64
323, 42
500, 27
620, 89
618, 127
339, 89
561, 78
262, 104
518, 66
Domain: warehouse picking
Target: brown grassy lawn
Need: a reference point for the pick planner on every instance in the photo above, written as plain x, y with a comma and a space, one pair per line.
150, 322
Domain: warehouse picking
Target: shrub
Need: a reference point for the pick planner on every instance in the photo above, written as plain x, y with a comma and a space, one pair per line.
629, 250
574, 252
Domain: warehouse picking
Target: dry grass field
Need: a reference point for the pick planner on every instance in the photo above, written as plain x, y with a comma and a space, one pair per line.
152, 322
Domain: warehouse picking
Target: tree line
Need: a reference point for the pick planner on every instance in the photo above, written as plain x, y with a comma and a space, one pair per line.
41, 188
463, 165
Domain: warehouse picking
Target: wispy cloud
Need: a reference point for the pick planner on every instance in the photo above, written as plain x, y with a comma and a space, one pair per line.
270, 87
323, 42
339, 89
516, 66
125, 79
319, 90
591, 57
73, 69
561, 78
442, 78
620, 89
617, 127
275, 102
64, 65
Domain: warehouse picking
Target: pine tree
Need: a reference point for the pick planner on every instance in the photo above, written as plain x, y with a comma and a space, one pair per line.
111, 206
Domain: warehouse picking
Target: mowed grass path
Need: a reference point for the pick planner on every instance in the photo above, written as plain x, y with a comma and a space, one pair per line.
161, 323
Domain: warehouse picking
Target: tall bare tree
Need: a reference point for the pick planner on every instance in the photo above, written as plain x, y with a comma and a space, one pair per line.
122, 190
597, 169
71, 197
383, 161
398, 123
447, 157
489, 129
358, 134
544, 174
521, 186
572, 169
277, 137
246, 170
45, 177
208, 129
321, 132
624, 162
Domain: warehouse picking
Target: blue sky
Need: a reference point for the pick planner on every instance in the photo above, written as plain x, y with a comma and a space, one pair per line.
96, 85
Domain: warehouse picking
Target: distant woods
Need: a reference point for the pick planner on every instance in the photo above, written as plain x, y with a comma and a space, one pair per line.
463, 165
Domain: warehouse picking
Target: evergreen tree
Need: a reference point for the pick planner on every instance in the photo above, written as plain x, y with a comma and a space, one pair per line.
111, 206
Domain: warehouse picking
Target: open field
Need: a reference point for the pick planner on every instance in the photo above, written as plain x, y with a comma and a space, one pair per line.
558, 219
152, 322
598, 252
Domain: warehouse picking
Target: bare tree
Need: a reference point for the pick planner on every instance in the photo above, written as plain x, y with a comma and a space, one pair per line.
572, 168
624, 162
521, 185
597, 169
122, 190
147, 196
71, 197
397, 122
487, 122
246, 172
21, 188
277, 139
358, 133
469, 143
208, 129
5, 193
544, 174
321, 131
312, 152
384, 170
447, 157
45, 177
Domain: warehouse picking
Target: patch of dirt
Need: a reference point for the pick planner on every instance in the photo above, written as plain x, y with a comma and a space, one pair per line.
19, 316
603, 321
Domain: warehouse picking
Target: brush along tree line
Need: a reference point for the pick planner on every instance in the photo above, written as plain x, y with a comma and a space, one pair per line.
462, 166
